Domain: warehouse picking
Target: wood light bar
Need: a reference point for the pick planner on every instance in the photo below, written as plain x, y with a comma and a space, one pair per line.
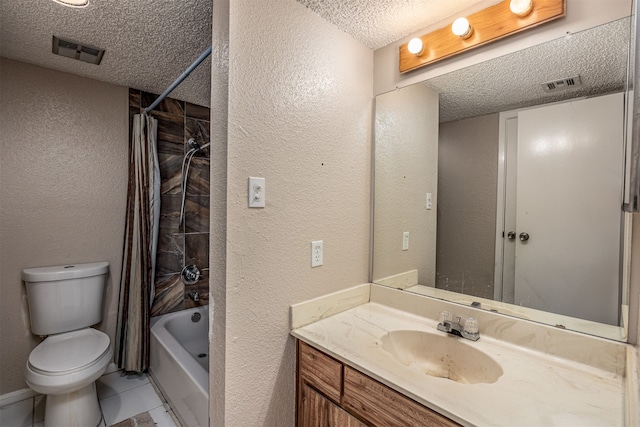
488, 25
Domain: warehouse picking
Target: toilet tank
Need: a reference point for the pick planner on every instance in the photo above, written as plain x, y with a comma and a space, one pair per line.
66, 297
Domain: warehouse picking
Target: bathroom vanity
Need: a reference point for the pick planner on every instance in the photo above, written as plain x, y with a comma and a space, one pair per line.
335, 393
372, 355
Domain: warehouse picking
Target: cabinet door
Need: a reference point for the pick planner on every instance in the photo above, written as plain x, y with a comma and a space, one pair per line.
317, 411
381, 406
320, 371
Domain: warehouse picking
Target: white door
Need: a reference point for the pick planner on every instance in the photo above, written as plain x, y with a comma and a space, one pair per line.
569, 189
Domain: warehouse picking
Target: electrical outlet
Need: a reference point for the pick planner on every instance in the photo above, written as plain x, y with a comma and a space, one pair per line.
256, 192
405, 241
316, 253
429, 201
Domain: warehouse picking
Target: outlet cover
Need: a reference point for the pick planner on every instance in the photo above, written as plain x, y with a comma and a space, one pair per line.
405, 241
256, 192
317, 256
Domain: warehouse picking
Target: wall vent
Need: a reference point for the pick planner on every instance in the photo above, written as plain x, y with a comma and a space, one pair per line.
75, 50
562, 84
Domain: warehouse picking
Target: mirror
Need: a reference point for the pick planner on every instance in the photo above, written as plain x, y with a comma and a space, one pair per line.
500, 185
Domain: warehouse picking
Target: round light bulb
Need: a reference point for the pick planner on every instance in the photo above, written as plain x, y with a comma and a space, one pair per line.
461, 28
415, 46
521, 7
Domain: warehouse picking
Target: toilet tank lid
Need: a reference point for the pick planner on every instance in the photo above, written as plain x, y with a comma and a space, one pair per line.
63, 272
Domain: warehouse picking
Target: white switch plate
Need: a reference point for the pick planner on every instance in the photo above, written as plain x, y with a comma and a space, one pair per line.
405, 241
316, 253
256, 192
429, 201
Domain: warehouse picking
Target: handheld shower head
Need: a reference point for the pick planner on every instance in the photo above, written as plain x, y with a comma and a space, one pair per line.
194, 148
193, 145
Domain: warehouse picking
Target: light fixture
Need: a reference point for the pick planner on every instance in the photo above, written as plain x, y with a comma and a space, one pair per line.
462, 28
521, 7
502, 19
415, 46
73, 3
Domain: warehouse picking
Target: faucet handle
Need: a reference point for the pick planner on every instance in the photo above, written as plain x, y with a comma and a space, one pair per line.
471, 325
445, 316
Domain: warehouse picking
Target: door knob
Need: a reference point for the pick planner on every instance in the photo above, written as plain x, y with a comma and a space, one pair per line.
511, 235
524, 237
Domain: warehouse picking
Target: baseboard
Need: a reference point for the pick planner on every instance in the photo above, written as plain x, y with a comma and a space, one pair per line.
17, 396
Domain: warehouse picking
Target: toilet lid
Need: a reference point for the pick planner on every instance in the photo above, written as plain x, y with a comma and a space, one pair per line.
69, 351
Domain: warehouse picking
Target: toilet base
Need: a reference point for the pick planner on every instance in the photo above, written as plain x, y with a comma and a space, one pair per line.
78, 408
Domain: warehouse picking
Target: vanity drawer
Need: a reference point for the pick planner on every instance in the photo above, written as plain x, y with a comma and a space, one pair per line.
320, 371
381, 406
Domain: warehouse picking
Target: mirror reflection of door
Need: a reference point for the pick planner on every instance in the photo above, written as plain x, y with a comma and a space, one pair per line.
562, 233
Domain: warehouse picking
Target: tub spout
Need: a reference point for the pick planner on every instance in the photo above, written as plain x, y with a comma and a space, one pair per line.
194, 295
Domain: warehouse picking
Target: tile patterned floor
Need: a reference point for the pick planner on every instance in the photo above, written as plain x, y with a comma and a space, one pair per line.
121, 396
124, 396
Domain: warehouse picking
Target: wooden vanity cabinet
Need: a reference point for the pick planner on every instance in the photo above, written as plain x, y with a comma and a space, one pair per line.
331, 394
316, 410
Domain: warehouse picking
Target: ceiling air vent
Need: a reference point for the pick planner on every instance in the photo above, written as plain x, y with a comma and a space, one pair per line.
562, 84
71, 49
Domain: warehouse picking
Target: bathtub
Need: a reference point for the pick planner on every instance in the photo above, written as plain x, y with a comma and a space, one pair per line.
179, 363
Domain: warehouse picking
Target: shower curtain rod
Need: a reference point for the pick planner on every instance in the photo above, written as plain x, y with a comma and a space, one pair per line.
179, 80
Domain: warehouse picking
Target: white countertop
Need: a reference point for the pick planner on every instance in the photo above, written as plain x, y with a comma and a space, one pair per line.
535, 389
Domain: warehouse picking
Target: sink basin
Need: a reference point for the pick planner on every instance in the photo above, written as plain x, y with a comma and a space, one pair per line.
441, 356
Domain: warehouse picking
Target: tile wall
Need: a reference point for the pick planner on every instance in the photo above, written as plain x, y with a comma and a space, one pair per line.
187, 243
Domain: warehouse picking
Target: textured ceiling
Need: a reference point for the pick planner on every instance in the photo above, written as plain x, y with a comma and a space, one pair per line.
148, 43
377, 23
598, 55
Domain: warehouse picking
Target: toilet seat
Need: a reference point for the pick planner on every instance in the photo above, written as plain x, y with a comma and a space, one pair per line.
69, 352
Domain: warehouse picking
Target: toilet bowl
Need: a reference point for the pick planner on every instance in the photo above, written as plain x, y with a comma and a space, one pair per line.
63, 303
65, 367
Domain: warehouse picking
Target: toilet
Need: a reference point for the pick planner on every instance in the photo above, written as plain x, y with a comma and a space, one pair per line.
64, 302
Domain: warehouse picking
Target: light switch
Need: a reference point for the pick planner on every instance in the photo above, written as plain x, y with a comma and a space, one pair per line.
256, 192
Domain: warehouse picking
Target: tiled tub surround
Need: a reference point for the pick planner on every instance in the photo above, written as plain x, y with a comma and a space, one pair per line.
551, 377
188, 243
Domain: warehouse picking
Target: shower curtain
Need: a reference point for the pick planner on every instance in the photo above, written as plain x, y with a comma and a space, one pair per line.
140, 243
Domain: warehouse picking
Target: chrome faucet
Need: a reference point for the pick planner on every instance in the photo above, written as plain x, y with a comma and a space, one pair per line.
194, 295
467, 329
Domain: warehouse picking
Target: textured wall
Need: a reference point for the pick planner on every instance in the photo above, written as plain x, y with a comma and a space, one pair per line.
467, 189
300, 100
186, 243
406, 169
218, 212
63, 160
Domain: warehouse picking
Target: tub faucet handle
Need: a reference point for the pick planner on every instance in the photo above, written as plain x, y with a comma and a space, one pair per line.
190, 275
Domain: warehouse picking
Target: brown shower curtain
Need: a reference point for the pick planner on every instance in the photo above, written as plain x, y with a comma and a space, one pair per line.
140, 241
